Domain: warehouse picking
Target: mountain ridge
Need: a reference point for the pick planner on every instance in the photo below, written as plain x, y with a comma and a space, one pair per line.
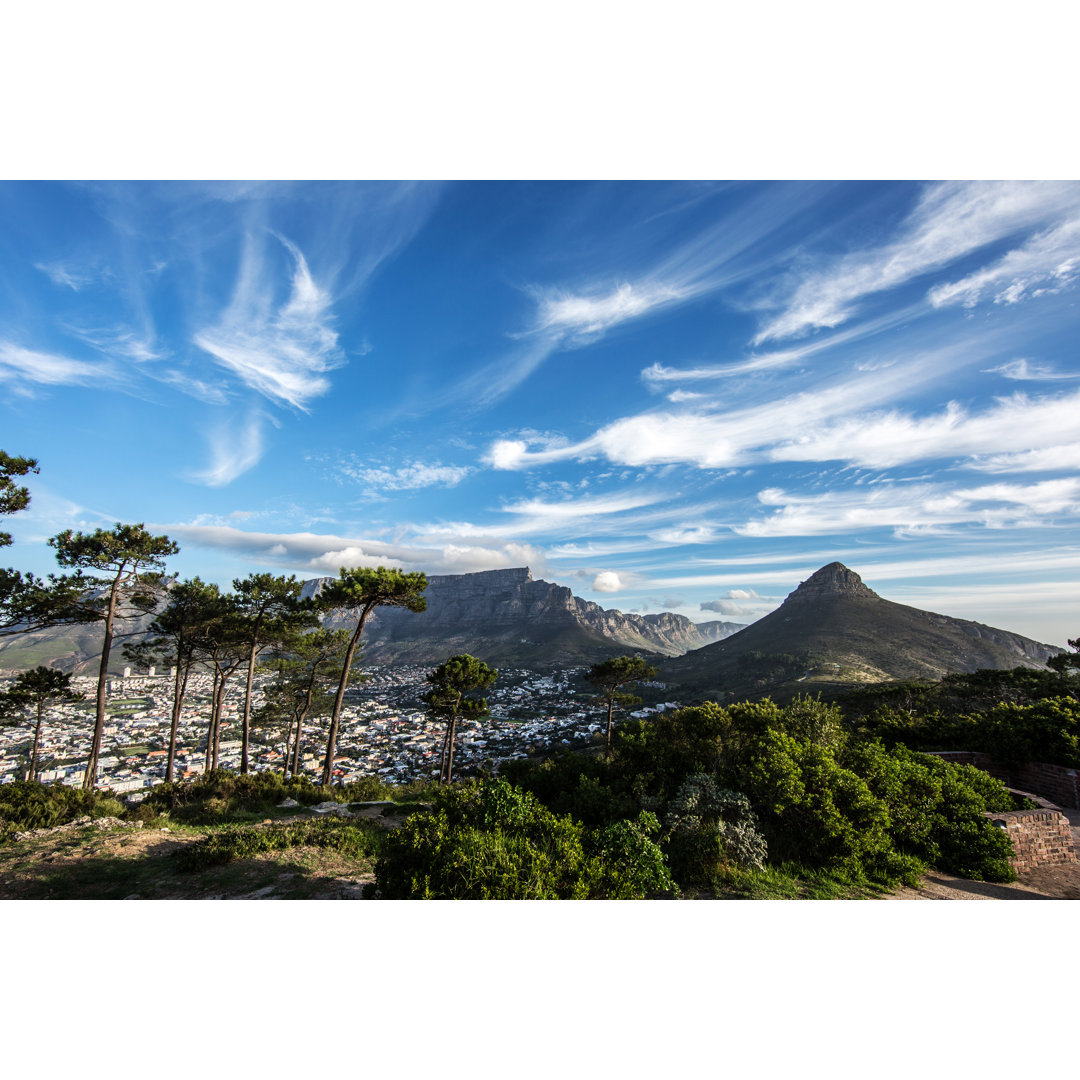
833, 631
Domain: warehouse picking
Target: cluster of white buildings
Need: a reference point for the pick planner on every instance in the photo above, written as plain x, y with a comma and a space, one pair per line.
384, 731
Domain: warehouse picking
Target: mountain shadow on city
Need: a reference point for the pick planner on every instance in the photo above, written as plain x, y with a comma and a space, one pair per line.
833, 633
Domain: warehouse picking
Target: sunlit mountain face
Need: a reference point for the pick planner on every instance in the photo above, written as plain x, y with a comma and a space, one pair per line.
662, 396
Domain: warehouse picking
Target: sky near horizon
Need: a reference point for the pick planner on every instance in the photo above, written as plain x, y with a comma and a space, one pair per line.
666, 396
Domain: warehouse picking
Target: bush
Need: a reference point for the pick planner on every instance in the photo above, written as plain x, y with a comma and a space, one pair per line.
27, 804
219, 795
244, 841
936, 809
493, 841
812, 809
708, 829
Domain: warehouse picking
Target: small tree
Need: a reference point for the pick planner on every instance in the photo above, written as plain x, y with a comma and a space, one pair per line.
12, 497
1066, 663
305, 667
451, 684
357, 593
131, 565
610, 676
178, 629
32, 691
270, 611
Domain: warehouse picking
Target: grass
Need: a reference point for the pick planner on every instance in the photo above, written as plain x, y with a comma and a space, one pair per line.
791, 881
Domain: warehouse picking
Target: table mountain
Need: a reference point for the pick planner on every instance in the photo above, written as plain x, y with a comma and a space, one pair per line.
505, 616
834, 632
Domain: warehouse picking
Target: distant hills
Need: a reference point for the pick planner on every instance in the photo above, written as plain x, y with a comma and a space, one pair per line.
508, 617
501, 616
833, 633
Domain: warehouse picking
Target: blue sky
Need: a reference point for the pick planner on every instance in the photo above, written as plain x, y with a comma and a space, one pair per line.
666, 396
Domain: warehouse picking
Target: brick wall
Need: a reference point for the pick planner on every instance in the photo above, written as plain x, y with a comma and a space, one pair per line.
1039, 837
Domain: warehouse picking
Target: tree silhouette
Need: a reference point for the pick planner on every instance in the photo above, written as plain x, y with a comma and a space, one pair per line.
33, 690
452, 683
357, 593
130, 563
12, 497
178, 630
269, 610
610, 676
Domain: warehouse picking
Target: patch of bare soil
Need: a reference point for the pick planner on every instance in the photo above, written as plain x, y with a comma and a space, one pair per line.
129, 863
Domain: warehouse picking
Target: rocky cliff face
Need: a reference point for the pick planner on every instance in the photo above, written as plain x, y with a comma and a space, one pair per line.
509, 615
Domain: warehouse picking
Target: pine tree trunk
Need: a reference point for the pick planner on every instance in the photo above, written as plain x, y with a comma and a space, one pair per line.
90, 779
335, 716
32, 774
442, 757
219, 705
179, 690
210, 726
450, 750
247, 705
610, 709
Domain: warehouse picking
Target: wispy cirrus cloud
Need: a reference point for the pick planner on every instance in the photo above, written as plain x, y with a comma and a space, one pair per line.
60, 273
122, 342
1048, 263
408, 477
924, 507
1031, 371
568, 316
282, 351
234, 449
836, 423
950, 221
22, 366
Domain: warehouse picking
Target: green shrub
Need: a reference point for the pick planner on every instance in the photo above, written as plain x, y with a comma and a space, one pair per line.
937, 809
27, 804
220, 795
493, 841
707, 829
358, 840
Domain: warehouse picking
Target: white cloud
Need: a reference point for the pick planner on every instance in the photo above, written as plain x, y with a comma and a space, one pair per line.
324, 554
607, 581
951, 220
60, 274
232, 451
1048, 263
914, 507
19, 364
584, 317
408, 477
726, 607
819, 426
123, 342
283, 353
1049, 459
1031, 370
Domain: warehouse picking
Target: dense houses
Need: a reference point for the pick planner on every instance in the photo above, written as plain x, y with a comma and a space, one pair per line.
385, 730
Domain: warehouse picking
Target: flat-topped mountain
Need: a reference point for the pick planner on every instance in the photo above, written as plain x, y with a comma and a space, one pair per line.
833, 631
506, 616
